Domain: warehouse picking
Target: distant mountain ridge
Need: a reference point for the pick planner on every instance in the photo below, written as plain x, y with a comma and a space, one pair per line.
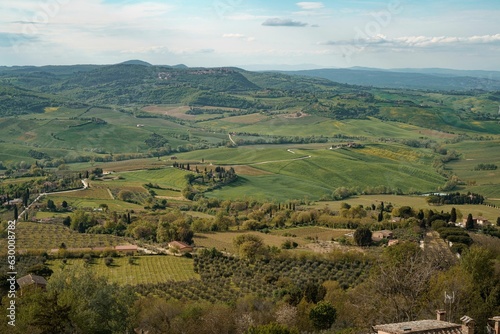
434, 79
426, 79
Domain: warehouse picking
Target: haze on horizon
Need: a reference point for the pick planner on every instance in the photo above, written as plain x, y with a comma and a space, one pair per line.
384, 34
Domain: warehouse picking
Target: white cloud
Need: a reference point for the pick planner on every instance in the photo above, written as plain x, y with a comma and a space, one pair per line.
419, 41
310, 5
159, 49
233, 36
276, 22
239, 36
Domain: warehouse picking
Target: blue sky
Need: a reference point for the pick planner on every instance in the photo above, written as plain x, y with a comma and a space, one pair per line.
266, 34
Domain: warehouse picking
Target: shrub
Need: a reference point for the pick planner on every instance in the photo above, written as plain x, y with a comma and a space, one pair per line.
363, 236
108, 261
323, 315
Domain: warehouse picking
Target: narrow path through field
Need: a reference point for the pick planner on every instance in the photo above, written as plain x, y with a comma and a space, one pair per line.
179, 198
231, 139
289, 150
271, 161
110, 193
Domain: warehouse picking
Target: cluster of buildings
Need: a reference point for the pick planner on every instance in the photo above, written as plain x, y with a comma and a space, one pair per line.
437, 326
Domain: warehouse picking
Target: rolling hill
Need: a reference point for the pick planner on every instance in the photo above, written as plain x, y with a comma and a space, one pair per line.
87, 114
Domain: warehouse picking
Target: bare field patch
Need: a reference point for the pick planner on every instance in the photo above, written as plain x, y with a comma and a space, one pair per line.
323, 247
174, 111
246, 119
30, 135
316, 233
50, 109
436, 134
297, 114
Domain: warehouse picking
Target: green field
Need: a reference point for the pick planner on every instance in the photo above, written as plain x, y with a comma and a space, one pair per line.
143, 270
312, 173
416, 202
240, 155
91, 198
165, 178
485, 182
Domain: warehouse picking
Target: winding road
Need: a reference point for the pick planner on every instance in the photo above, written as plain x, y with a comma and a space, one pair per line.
85, 183
272, 161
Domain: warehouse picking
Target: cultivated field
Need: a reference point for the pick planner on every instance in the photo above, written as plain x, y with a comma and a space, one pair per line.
143, 269
485, 182
47, 236
301, 235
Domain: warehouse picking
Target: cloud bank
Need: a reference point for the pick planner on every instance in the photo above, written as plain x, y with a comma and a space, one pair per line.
276, 22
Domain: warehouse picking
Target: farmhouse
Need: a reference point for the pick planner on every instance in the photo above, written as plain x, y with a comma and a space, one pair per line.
438, 326
126, 248
31, 281
481, 221
384, 234
180, 246
14, 201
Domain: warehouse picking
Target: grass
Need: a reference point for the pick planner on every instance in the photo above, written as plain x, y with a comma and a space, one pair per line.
485, 182
243, 155
313, 232
317, 125
416, 202
46, 214
100, 192
165, 178
312, 173
269, 187
144, 270
224, 240
121, 166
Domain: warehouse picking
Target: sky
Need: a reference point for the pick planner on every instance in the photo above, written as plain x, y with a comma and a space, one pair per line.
253, 34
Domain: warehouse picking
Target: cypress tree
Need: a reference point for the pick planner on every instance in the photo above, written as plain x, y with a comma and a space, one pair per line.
469, 224
453, 215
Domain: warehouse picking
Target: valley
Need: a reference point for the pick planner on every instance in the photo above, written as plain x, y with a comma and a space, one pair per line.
284, 191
